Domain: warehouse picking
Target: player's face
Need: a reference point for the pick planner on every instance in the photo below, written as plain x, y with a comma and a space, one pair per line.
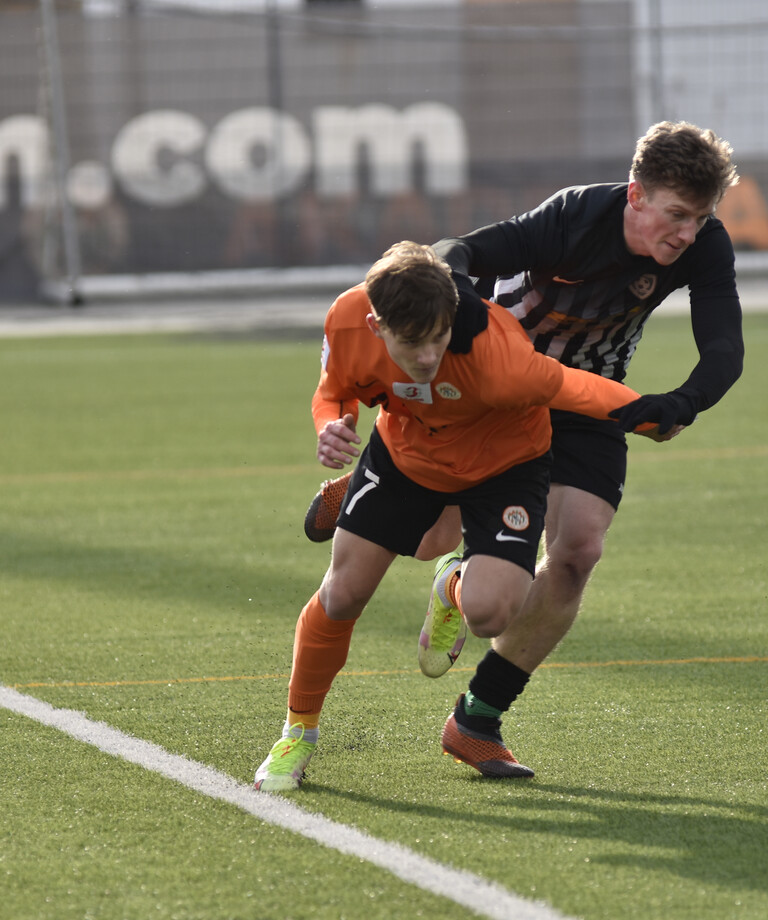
662, 223
419, 358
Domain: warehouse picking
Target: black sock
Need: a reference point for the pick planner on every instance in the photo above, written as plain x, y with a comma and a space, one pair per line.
498, 682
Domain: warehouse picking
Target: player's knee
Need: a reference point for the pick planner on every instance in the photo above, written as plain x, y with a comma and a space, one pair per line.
341, 601
487, 616
575, 561
484, 627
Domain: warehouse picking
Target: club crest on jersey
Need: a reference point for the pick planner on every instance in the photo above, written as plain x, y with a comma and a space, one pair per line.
515, 517
448, 391
643, 286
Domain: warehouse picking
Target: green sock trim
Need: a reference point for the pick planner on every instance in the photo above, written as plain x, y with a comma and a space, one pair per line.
476, 707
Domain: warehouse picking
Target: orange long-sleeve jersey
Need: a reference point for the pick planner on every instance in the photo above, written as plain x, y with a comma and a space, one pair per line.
484, 412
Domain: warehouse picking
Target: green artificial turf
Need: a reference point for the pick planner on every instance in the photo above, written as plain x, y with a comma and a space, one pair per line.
153, 564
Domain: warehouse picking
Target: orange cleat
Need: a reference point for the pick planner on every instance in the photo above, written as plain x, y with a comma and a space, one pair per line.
320, 519
481, 745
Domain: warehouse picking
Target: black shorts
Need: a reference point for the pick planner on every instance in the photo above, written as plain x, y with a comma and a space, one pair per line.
589, 454
502, 517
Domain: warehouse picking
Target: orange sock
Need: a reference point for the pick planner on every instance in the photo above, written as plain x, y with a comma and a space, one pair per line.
320, 650
308, 719
453, 589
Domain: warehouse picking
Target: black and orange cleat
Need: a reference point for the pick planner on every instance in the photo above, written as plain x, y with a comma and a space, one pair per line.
476, 741
320, 519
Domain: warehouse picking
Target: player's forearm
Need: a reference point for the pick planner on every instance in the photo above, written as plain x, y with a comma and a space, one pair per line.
478, 254
590, 394
719, 367
327, 409
717, 329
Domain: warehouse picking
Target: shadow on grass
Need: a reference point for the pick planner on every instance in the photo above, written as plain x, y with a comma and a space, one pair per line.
151, 574
716, 842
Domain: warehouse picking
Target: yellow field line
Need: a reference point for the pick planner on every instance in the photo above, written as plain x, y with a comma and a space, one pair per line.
746, 659
663, 454
232, 472
741, 659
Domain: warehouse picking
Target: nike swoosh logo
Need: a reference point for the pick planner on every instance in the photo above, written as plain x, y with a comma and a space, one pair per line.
501, 537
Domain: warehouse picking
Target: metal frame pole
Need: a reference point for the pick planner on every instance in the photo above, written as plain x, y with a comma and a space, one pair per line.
60, 152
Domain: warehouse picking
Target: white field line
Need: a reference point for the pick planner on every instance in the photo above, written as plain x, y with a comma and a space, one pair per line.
481, 897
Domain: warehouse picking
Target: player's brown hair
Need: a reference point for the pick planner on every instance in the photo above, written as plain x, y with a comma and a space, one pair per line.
411, 291
692, 161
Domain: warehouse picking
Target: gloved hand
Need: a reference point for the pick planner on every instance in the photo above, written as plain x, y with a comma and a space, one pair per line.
667, 409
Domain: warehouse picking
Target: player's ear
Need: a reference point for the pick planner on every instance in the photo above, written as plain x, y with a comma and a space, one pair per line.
635, 195
373, 324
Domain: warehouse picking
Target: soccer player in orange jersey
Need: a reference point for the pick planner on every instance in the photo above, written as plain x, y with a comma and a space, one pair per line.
583, 272
463, 421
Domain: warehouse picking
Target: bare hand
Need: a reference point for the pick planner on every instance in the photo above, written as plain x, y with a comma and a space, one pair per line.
335, 443
653, 433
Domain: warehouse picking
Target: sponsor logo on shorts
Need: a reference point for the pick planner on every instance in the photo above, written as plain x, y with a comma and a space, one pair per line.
515, 517
505, 537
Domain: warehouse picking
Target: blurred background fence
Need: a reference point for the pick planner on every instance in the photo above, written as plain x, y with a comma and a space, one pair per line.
150, 138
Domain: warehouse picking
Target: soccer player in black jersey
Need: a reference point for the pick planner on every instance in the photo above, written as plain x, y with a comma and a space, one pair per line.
583, 272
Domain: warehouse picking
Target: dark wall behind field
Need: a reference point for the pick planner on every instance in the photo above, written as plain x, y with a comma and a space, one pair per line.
302, 138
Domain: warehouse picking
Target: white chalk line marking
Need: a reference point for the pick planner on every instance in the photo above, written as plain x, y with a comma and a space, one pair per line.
482, 897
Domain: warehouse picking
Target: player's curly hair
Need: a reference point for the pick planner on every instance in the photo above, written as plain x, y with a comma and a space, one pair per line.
411, 291
693, 161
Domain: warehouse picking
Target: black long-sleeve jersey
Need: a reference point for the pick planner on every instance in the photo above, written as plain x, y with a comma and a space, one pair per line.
564, 270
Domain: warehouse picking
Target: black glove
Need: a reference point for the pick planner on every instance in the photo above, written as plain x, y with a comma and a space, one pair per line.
667, 409
471, 316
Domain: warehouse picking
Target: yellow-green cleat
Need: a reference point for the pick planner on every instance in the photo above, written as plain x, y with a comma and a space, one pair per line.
445, 629
284, 767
